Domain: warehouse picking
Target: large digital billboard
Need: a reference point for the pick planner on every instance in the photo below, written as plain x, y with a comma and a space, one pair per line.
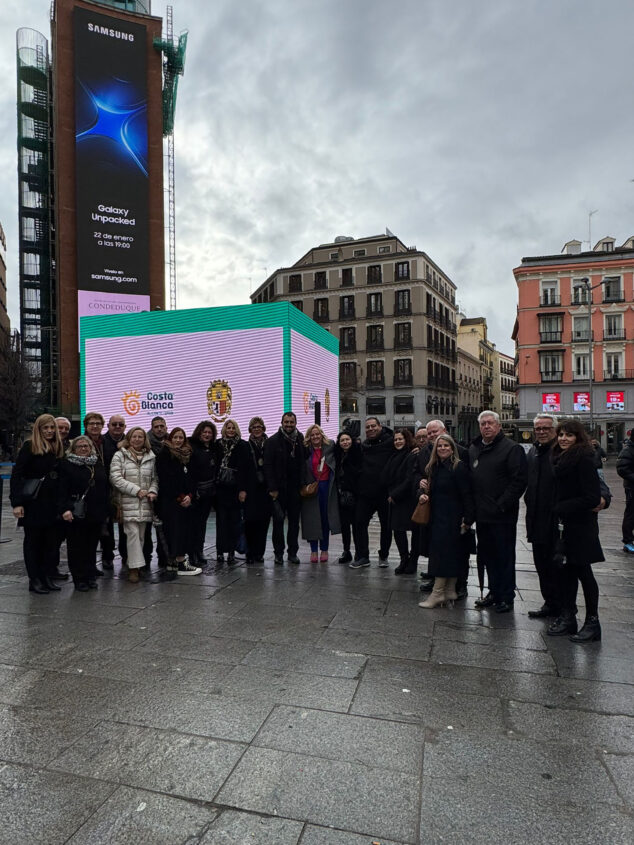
111, 153
210, 363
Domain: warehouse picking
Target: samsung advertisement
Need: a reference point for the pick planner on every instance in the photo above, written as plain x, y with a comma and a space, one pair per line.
111, 146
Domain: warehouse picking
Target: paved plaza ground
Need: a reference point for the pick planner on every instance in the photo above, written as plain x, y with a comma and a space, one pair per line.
311, 704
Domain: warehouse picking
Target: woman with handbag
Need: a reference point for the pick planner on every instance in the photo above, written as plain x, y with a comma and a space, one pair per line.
84, 495
176, 490
452, 511
233, 470
397, 479
257, 510
577, 499
348, 462
133, 475
33, 494
320, 505
204, 469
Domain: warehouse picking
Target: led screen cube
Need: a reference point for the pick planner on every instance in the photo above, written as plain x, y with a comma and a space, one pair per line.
211, 363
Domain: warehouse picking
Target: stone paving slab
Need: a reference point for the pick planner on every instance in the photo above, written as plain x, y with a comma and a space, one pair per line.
232, 827
289, 687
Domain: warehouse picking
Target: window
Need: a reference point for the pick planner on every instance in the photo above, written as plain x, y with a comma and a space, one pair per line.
613, 365
402, 269
295, 283
550, 328
320, 312
376, 373
404, 405
550, 293
358, 253
320, 280
551, 366
403, 335
580, 366
375, 337
298, 304
579, 292
334, 256
348, 375
375, 303
375, 406
614, 327
30, 298
383, 249
374, 274
402, 302
580, 329
348, 405
403, 371
612, 289
346, 307
346, 277
348, 339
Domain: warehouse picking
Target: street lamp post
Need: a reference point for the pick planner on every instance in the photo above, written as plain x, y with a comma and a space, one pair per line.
589, 288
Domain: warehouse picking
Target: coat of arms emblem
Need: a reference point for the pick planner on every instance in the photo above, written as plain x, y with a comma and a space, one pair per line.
219, 400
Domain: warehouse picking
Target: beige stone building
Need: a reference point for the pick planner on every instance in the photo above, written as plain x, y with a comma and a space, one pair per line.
394, 312
472, 338
507, 381
470, 379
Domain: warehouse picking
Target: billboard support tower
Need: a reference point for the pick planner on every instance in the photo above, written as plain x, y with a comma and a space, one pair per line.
173, 67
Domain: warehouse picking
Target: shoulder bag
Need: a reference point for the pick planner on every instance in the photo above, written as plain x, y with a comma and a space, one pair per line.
31, 488
422, 513
310, 490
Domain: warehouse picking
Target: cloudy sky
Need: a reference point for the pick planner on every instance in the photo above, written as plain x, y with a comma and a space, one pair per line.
479, 131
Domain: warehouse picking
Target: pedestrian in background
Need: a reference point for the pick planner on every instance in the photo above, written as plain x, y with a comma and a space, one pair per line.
84, 495
320, 512
133, 475
204, 469
34, 494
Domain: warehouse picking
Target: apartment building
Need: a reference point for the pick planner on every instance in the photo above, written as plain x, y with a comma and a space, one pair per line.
394, 312
574, 336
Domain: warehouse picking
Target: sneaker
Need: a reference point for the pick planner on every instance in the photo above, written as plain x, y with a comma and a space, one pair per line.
383, 562
629, 548
185, 568
360, 563
346, 557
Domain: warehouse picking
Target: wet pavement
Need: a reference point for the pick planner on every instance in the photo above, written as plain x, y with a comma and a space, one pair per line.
311, 704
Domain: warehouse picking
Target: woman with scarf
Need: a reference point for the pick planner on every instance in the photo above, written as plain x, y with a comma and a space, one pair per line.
397, 479
577, 500
84, 496
133, 476
34, 484
231, 486
176, 490
204, 468
257, 510
320, 512
348, 461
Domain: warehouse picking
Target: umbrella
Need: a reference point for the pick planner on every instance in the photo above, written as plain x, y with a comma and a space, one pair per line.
481, 567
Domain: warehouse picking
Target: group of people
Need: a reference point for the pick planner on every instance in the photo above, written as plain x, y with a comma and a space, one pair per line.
80, 489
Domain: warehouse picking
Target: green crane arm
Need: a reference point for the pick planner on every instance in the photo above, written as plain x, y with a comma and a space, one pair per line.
173, 67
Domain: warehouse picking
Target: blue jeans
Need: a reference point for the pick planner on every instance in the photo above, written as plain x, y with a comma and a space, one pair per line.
322, 497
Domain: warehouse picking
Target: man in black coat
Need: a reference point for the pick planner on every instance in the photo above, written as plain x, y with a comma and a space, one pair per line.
541, 522
625, 468
284, 456
376, 448
498, 472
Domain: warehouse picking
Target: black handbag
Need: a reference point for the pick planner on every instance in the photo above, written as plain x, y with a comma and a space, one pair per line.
31, 488
206, 489
227, 476
347, 499
78, 507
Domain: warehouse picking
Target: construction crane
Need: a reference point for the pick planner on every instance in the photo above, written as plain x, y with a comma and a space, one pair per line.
173, 67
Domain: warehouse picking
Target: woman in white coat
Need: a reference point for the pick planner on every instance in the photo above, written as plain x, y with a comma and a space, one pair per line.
133, 476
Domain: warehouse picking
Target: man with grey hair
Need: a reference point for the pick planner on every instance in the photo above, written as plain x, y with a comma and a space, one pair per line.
63, 426
498, 473
541, 523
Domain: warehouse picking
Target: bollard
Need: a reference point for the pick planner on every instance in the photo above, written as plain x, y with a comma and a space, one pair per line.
2, 539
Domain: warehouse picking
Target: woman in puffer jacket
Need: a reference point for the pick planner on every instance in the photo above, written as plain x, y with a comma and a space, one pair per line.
133, 476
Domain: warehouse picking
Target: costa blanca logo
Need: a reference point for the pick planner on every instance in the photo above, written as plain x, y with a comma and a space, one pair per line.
131, 402
219, 398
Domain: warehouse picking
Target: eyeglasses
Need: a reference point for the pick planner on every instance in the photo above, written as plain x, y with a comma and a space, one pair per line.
543, 428
117, 425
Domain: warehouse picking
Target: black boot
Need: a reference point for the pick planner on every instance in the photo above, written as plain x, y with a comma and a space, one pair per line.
346, 557
564, 624
51, 585
402, 567
39, 587
591, 631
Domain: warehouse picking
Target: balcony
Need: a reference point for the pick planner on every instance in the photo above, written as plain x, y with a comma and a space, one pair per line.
321, 317
618, 375
550, 337
553, 375
375, 345
402, 310
373, 311
403, 380
375, 383
613, 296
347, 282
581, 376
347, 348
346, 314
549, 299
403, 343
582, 336
348, 383
618, 334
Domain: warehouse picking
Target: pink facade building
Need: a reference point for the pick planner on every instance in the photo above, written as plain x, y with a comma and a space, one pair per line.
571, 308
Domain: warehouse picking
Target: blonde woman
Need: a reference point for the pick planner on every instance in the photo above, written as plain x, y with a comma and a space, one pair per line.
320, 513
231, 484
133, 475
452, 512
34, 486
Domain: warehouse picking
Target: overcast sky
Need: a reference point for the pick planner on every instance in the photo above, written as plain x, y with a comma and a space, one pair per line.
479, 131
